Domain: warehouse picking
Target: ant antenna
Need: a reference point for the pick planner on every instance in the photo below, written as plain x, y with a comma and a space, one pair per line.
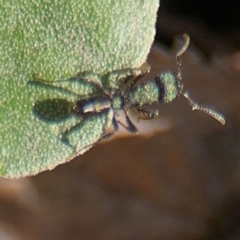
219, 117
178, 60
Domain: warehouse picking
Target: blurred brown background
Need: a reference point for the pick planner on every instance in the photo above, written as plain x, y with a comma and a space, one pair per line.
182, 182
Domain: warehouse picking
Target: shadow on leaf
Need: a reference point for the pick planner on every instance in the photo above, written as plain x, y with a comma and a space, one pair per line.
53, 110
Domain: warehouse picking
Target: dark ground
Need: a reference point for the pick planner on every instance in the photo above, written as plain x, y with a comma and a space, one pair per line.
183, 182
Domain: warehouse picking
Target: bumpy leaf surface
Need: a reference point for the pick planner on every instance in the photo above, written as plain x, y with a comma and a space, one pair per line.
54, 40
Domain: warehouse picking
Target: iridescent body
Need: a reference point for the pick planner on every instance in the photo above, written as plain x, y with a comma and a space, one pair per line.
162, 89
102, 110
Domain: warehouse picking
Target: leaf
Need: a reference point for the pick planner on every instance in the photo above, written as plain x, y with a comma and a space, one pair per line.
56, 40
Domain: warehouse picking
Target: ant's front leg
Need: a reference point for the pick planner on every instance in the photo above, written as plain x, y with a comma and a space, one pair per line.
147, 114
137, 74
124, 78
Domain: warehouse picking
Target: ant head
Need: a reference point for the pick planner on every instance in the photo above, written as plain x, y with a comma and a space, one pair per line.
219, 117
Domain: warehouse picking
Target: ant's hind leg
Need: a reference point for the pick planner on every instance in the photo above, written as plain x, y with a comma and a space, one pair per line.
104, 138
87, 77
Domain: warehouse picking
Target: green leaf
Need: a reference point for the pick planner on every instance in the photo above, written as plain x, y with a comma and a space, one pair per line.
57, 39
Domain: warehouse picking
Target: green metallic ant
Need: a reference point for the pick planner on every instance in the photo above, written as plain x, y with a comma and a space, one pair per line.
164, 88
133, 94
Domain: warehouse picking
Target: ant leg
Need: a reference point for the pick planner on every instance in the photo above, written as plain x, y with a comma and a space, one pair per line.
130, 126
87, 77
93, 79
104, 138
147, 114
134, 79
53, 87
98, 86
115, 130
125, 78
